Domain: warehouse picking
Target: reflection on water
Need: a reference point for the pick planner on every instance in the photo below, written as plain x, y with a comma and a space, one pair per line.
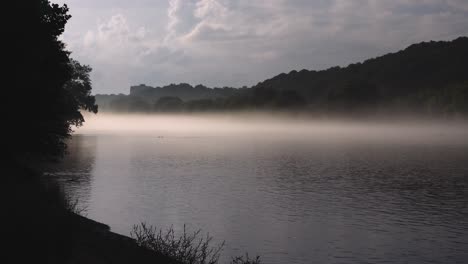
74, 171
290, 199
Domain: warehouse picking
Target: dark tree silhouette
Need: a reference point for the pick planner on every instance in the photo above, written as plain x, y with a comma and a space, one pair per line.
79, 87
355, 95
168, 103
42, 93
130, 104
428, 78
45, 87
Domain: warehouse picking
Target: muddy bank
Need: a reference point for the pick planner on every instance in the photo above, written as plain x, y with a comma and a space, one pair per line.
95, 243
39, 227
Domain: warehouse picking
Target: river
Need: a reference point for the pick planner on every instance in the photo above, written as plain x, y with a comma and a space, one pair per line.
289, 190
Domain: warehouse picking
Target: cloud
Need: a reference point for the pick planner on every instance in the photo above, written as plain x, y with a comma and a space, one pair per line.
181, 17
235, 43
122, 56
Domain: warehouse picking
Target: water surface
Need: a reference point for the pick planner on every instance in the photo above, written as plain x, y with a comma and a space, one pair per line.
291, 191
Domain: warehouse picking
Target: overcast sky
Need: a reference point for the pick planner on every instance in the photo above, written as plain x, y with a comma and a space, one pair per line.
236, 43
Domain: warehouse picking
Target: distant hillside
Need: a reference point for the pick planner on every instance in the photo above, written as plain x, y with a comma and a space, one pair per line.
143, 96
426, 78
425, 71
184, 91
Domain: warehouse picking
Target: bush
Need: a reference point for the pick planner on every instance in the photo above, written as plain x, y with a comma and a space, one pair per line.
188, 248
246, 260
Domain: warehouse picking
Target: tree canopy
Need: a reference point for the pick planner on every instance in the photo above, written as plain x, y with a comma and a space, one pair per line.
46, 88
428, 78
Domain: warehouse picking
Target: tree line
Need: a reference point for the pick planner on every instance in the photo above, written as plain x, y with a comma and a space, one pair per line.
45, 89
428, 78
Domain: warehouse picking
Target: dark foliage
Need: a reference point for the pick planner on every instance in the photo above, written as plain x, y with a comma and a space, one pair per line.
43, 92
186, 248
424, 78
428, 78
129, 104
79, 87
245, 260
184, 91
45, 88
168, 103
35, 219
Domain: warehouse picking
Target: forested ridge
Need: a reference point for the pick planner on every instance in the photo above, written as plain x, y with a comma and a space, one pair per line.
428, 78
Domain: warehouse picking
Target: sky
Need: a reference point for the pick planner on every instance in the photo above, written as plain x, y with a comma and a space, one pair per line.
240, 43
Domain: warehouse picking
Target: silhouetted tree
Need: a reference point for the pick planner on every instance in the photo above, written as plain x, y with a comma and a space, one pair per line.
200, 105
168, 103
290, 99
355, 95
130, 104
79, 87
427, 78
45, 87
263, 97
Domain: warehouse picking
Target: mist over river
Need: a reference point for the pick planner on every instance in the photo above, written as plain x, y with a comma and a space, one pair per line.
289, 189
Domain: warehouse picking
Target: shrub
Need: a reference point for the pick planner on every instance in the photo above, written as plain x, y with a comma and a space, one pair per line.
246, 260
188, 248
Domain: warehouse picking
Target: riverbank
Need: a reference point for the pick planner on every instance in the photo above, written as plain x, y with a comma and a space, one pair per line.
39, 226
95, 243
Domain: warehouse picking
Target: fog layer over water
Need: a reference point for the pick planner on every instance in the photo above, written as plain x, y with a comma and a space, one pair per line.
280, 127
290, 189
